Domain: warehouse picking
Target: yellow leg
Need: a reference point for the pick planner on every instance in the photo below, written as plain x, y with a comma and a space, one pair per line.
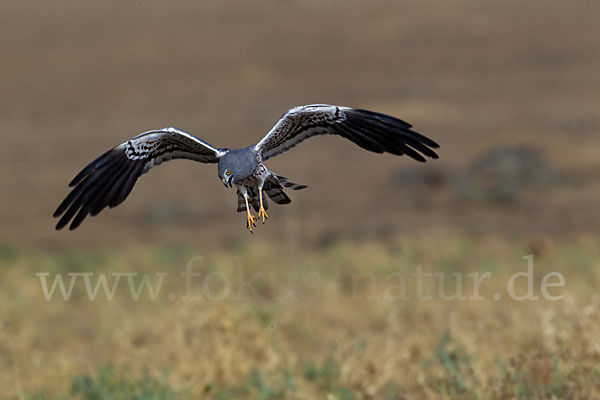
261, 211
250, 220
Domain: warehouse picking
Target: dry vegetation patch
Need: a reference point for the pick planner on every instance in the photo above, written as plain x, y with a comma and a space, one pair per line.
289, 323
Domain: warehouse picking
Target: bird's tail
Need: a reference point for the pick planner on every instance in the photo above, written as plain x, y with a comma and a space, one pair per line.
273, 188
290, 185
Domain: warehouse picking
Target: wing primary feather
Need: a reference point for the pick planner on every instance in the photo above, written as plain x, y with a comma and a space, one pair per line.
377, 115
422, 148
128, 185
90, 190
103, 198
83, 212
113, 194
395, 138
384, 143
72, 196
357, 137
77, 191
100, 202
398, 124
412, 153
98, 163
397, 145
117, 184
82, 185
73, 208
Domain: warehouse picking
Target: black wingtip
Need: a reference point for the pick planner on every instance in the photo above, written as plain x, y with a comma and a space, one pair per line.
383, 117
394, 135
433, 144
100, 161
60, 224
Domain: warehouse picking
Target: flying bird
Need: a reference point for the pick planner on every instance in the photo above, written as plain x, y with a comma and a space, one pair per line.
108, 180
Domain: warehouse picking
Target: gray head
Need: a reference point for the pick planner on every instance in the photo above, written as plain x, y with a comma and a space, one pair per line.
237, 165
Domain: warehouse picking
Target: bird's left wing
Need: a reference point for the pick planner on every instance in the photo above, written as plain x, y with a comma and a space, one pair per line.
108, 180
370, 130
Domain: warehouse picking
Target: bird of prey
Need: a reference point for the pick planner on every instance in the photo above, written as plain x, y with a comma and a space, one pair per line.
108, 180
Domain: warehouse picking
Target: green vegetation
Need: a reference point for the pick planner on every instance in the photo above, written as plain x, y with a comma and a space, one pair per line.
110, 383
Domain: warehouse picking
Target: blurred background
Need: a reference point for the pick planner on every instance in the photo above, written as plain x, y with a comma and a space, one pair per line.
509, 89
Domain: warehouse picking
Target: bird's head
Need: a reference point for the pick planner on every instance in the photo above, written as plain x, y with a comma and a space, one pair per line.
227, 178
236, 165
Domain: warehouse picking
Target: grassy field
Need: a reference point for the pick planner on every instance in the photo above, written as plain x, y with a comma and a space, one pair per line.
322, 301
349, 321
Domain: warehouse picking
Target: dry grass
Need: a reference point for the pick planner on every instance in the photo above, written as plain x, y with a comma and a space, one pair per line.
324, 324
475, 76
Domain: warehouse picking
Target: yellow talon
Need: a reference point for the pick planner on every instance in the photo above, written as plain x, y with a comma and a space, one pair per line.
250, 220
261, 211
262, 214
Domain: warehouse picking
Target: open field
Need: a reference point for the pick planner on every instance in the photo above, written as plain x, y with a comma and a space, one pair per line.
313, 304
338, 323
84, 76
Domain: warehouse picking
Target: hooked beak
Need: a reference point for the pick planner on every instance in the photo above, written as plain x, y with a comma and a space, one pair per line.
227, 182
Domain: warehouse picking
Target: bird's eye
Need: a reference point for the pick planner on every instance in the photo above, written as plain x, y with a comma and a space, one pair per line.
228, 173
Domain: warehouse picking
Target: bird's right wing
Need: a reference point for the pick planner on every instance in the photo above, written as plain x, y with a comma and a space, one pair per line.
108, 180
